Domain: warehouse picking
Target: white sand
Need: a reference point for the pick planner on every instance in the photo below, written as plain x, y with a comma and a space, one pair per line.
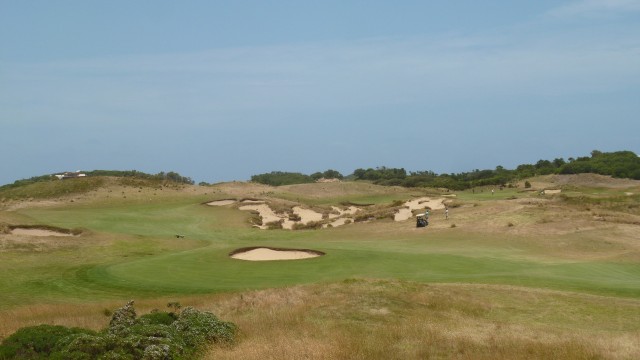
351, 210
265, 211
253, 201
336, 223
307, 215
403, 214
37, 232
221, 202
418, 204
551, 192
421, 203
264, 254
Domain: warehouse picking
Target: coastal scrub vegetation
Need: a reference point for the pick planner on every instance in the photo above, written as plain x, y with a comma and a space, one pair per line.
170, 176
620, 164
277, 178
155, 336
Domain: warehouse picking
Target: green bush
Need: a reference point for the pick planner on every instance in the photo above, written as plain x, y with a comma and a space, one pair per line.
154, 336
37, 342
158, 318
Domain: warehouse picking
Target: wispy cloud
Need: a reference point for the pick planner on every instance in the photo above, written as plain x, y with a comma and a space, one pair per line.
596, 8
277, 80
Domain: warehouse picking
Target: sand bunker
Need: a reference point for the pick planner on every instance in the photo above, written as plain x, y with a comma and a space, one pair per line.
249, 201
351, 210
221, 202
418, 204
338, 222
268, 216
403, 214
270, 254
552, 192
307, 215
38, 232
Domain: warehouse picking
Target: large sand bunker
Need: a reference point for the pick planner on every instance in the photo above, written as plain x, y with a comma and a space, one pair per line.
270, 254
305, 216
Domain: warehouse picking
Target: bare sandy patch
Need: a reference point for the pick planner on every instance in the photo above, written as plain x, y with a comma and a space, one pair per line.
552, 191
249, 201
37, 232
418, 204
221, 202
267, 215
351, 210
307, 215
403, 214
337, 222
270, 254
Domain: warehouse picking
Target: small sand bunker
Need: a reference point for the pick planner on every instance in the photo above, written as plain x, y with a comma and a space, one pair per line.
250, 201
270, 254
552, 192
38, 232
221, 202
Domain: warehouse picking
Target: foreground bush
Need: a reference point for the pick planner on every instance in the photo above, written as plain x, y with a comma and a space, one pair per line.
36, 342
155, 336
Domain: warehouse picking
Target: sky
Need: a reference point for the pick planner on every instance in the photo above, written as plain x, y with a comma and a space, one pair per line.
223, 90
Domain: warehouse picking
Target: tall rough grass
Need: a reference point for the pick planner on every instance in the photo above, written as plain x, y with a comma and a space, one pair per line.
398, 320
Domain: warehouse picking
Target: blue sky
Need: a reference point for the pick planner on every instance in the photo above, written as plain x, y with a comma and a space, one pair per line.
222, 90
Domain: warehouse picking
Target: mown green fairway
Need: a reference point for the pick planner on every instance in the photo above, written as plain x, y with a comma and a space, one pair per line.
130, 250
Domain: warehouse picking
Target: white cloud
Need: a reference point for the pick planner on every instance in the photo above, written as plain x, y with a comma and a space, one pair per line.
595, 8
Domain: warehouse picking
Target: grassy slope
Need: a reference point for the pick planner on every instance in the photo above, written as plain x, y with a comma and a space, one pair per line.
130, 252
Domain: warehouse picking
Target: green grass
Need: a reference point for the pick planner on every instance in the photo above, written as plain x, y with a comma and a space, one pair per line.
383, 290
137, 254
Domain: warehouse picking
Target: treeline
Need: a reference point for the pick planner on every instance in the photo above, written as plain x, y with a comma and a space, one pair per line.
168, 176
620, 164
278, 178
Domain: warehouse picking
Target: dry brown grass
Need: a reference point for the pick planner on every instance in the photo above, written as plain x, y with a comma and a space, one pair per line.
395, 320
376, 319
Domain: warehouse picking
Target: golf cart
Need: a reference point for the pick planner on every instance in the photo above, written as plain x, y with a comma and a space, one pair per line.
422, 220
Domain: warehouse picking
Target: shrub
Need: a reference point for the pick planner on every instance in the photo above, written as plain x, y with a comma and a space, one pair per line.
197, 328
154, 336
36, 342
527, 184
274, 225
158, 318
309, 225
